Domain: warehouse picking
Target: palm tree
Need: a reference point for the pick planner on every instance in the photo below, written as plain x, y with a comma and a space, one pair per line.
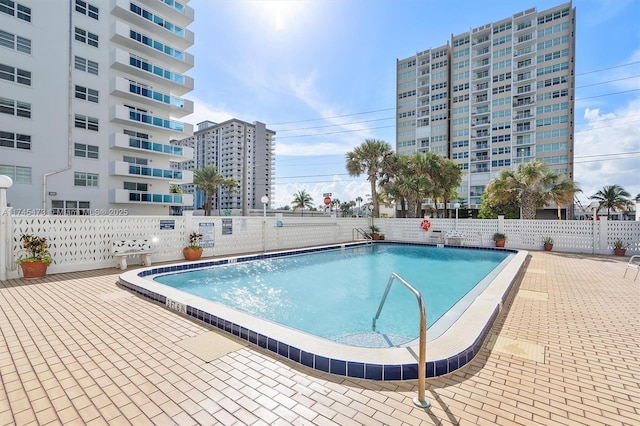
231, 186
370, 158
563, 193
531, 186
612, 197
359, 200
302, 199
207, 180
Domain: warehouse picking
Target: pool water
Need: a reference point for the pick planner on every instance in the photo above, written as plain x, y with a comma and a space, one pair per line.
334, 294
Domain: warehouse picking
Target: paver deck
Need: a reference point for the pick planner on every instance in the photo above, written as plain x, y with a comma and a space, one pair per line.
78, 349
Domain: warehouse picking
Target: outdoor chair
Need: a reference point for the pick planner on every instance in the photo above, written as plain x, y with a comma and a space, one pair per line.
634, 263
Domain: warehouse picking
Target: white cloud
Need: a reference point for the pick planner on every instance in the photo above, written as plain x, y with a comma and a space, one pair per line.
203, 111
605, 135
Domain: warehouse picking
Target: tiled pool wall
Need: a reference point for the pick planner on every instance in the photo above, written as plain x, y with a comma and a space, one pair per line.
338, 367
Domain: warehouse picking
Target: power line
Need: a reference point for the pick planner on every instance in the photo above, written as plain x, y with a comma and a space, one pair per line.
608, 94
336, 125
610, 68
333, 133
390, 109
329, 118
608, 81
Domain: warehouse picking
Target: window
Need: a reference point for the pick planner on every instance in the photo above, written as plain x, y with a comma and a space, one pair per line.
15, 9
15, 140
11, 107
136, 186
87, 9
85, 179
69, 207
85, 151
86, 37
15, 42
86, 94
500, 28
15, 74
86, 65
553, 16
84, 122
17, 173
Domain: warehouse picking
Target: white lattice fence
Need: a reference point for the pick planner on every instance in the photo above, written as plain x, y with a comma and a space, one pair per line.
83, 242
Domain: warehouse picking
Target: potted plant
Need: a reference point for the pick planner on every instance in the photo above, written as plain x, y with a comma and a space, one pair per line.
500, 239
194, 250
374, 232
548, 243
35, 264
619, 247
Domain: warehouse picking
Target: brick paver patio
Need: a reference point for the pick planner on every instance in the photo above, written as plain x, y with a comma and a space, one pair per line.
78, 349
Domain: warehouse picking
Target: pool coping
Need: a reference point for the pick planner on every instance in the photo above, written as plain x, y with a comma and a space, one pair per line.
445, 354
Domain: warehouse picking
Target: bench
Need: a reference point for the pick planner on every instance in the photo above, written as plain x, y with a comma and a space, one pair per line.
455, 238
120, 249
436, 237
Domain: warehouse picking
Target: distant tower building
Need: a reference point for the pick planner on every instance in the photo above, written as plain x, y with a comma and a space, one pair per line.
90, 96
489, 99
239, 150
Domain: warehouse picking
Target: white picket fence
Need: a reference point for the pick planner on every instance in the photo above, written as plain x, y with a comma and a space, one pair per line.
83, 242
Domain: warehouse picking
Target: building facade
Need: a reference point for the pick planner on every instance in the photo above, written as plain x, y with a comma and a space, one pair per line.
240, 151
492, 98
91, 93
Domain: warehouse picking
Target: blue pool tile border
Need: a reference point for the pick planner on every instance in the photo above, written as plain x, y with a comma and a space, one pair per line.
340, 367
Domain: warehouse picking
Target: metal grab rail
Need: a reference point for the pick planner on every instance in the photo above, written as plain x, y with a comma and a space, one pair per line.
359, 231
420, 401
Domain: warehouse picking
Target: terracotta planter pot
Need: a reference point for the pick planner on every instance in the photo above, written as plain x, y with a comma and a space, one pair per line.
37, 269
548, 247
500, 243
375, 236
191, 254
619, 252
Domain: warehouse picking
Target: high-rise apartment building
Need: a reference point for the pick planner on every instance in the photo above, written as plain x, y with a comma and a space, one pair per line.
489, 99
90, 98
240, 151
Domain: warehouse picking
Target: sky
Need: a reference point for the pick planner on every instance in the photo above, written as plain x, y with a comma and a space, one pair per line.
322, 74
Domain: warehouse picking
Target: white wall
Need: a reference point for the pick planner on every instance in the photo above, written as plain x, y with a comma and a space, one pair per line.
83, 242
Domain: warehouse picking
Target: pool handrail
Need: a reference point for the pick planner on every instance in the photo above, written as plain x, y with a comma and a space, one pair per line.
420, 401
360, 231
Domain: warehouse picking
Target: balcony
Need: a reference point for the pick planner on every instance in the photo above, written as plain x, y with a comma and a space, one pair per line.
481, 123
481, 64
525, 52
126, 196
523, 129
124, 115
480, 110
141, 16
480, 87
524, 115
174, 152
480, 99
525, 39
178, 12
524, 102
480, 145
484, 169
177, 84
176, 60
123, 168
176, 107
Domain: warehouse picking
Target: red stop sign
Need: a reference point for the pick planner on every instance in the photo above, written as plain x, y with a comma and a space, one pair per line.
327, 201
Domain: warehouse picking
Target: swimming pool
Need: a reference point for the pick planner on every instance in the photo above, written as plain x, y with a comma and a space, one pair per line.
454, 347
334, 294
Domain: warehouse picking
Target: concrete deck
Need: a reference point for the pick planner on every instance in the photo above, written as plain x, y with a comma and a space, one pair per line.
78, 349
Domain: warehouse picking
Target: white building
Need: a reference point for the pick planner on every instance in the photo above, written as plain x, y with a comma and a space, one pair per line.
493, 97
90, 97
240, 151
